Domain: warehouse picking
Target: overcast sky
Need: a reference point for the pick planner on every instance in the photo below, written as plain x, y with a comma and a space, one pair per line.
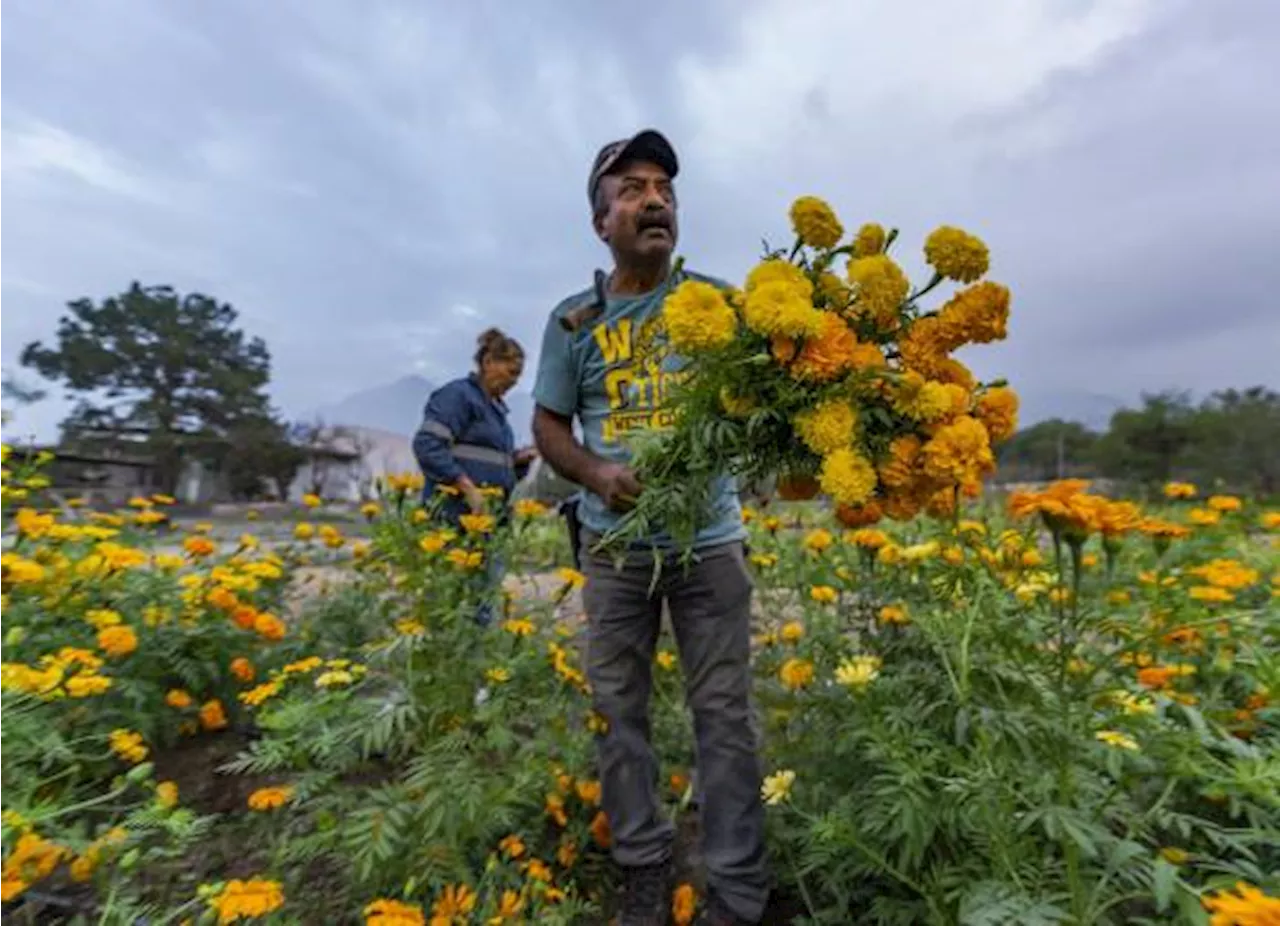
370, 183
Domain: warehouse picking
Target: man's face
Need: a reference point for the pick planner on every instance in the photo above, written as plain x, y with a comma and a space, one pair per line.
639, 220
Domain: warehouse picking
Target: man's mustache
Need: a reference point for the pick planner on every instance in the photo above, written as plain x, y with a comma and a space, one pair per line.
657, 219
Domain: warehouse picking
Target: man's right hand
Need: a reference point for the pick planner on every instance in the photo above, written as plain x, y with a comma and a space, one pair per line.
617, 486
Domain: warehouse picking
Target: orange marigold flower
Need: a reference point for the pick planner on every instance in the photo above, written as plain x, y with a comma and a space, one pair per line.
998, 412
387, 912
247, 899
269, 626
271, 798
117, 640
827, 354
199, 546
242, 669
212, 715
178, 698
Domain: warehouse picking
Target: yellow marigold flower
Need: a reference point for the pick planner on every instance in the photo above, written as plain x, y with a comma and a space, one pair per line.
117, 641
537, 870
178, 698
868, 538
880, 288
571, 577
764, 560
247, 899
736, 405
776, 270
777, 787
818, 540
956, 254
1210, 594
463, 559
256, 696
792, 631
87, 685
1224, 503
959, 452
477, 523
304, 530
271, 798
815, 223
697, 318
998, 411
1179, 490
128, 745
847, 476
102, 617
334, 678
529, 508
779, 309
589, 792
167, 794
869, 240
894, 614
311, 500
1247, 906
666, 659
796, 674
827, 426
1203, 517
1270, 520
18, 570
858, 671
831, 351
497, 675
212, 715
1117, 739
520, 627
33, 858
386, 912
823, 594
1226, 573
834, 293
920, 399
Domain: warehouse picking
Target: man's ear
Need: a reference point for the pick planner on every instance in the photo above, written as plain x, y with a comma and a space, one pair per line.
598, 224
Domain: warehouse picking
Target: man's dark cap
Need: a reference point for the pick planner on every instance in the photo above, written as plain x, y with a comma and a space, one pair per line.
648, 145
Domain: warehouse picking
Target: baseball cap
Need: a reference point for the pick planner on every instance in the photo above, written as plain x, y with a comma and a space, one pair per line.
647, 145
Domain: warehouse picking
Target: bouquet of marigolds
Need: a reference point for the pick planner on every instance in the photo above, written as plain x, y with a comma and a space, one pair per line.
827, 372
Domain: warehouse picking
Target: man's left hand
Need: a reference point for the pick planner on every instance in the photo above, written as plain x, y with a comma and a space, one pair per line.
525, 456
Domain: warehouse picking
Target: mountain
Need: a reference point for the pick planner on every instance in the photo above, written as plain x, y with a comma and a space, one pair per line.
1093, 410
397, 407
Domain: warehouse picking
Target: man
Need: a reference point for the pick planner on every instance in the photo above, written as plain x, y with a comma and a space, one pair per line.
590, 368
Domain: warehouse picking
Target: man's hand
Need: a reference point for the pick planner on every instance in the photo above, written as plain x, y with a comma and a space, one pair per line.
470, 492
617, 485
525, 455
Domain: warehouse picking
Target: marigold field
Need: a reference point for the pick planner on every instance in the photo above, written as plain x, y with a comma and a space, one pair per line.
1050, 708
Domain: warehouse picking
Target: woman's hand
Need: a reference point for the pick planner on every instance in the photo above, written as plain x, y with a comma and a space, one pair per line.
469, 490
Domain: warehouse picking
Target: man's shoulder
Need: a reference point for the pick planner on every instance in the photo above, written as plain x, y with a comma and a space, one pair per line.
571, 302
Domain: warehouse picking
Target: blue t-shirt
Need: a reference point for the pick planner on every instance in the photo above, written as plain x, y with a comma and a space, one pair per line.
595, 374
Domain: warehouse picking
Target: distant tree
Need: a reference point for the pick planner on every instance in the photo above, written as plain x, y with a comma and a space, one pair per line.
259, 460
1236, 441
1146, 444
1050, 449
169, 373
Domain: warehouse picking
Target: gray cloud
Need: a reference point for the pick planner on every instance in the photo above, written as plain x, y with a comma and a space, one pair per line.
370, 186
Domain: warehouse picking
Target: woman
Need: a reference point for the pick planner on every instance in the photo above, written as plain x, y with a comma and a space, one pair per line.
465, 441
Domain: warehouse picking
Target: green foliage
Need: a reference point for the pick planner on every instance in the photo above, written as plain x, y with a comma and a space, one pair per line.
1231, 440
174, 368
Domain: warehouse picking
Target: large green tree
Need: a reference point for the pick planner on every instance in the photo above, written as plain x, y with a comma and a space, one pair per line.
164, 371
1146, 444
1051, 449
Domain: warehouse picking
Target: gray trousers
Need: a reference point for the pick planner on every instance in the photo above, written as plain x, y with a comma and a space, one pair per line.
709, 602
